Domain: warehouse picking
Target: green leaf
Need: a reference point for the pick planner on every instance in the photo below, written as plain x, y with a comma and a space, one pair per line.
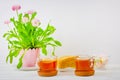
57, 43
11, 59
38, 32
53, 45
6, 34
10, 56
44, 51
12, 19
50, 30
16, 53
33, 15
10, 35
48, 39
53, 52
26, 15
19, 65
12, 53
16, 42
7, 58
20, 17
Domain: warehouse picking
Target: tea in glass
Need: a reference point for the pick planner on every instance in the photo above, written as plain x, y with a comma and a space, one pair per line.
48, 67
84, 66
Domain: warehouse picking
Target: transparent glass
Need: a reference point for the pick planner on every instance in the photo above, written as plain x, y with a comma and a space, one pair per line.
47, 66
84, 65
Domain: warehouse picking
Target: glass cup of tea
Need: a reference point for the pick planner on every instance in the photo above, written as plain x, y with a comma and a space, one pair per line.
47, 66
84, 66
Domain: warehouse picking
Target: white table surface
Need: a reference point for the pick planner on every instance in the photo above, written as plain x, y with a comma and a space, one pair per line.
9, 72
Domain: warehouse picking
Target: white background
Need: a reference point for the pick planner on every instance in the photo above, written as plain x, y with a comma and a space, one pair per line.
83, 26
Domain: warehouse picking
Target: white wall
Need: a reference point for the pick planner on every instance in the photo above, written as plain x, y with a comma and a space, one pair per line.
83, 26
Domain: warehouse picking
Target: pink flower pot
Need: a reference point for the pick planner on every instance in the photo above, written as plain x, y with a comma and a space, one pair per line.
30, 57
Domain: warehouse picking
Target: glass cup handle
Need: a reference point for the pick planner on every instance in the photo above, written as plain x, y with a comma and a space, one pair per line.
91, 62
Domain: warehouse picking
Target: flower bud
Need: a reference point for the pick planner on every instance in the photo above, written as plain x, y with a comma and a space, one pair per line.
35, 22
25, 19
16, 7
6, 22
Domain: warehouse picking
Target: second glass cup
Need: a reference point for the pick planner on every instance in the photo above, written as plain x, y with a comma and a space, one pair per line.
84, 66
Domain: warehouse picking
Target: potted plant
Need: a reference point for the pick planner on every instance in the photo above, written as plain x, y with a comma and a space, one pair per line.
27, 38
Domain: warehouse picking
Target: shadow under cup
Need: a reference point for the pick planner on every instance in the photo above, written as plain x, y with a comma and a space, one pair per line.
84, 66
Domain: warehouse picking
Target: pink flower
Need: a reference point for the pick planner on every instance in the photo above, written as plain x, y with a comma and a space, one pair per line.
16, 7
35, 22
25, 19
30, 12
6, 22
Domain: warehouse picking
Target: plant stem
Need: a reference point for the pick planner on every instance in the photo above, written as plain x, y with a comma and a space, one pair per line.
53, 52
39, 56
9, 26
24, 53
17, 13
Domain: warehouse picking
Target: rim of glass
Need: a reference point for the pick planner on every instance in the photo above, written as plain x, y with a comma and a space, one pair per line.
84, 57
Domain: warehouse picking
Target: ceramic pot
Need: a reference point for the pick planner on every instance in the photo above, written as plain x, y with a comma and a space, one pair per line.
30, 57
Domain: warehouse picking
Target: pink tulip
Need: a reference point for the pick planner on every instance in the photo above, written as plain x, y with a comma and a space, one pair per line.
25, 19
6, 22
30, 12
16, 7
35, 22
